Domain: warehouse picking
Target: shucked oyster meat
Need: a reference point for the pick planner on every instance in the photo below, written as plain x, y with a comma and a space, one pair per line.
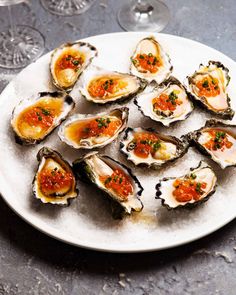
150, 61
35, 118
54, 181
150, 148
113, 178
217, 140
186, 191
93, 131
101, 86
68, 61
209, 87
167, 103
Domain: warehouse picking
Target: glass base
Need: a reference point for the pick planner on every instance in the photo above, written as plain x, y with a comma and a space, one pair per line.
67, 7
19, 50
153, 15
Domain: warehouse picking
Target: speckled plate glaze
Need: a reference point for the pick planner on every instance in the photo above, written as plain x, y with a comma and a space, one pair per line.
87, 222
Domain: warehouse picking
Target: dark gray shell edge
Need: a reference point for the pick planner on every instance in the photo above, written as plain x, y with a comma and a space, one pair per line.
168, 56
193, 137
55, 94
93, 48
124, 123
169, 81
228, 113
83, 172
182, 148
187, 205
125, 98
46, 152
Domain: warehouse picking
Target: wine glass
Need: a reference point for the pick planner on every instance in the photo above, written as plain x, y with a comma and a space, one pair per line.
20, 45
144, 15
67, 7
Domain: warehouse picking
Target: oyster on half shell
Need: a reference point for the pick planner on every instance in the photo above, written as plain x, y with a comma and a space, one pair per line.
150, 61
167, 103
68, 62
35, 118
111, 177
150, 148
103, 86
218, 141
189, 190
208, 86
93, 131
54, 181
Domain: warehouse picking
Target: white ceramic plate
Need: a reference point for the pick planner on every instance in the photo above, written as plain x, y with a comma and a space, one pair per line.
87, 222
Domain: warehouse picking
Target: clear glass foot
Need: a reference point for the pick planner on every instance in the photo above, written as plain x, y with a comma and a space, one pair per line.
148, 15
21, 48
67, 7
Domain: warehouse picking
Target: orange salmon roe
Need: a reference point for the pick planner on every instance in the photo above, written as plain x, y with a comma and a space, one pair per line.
52, 181
39, 116
145, 143
148, 62
219, 140
69, 61
166, 102
188, 189
104, 87
119, 183
208, 87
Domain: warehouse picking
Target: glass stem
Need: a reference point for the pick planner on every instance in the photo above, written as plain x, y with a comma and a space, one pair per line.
12, 25
142, 7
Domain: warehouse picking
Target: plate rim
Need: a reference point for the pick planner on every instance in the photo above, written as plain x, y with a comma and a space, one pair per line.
54, 233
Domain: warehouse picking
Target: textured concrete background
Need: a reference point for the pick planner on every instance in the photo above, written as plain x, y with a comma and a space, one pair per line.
32, 263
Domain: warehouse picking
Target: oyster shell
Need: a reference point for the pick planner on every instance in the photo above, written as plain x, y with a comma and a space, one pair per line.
218, 141
208, 86
150, 61
102, 86
160, 149
167, 103
109, 176
201, 184
68, 61
54, 181
35, 118
93, 131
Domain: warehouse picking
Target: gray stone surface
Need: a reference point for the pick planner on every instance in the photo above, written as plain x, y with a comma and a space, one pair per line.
32, 263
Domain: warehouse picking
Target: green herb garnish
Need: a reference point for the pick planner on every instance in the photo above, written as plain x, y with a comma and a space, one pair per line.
172, 98
156, 146
45, 112
219, 136
108, 180
102, 122
193, 175
75, 62
205, 84
198, 187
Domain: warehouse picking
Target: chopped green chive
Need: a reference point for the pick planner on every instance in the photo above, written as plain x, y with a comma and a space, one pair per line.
108, 180
205, 84
45, 112
198, 187
193, 175
172, 98
156, 146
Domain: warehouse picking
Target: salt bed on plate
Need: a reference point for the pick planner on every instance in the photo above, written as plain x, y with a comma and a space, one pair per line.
87, 221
